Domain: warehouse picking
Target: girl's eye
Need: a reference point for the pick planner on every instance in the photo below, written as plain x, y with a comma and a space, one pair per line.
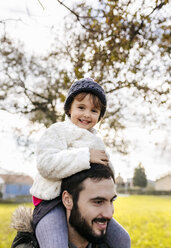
94, 111
81, 107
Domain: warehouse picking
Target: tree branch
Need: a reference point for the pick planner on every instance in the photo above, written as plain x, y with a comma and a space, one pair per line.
41, 4
157, 7
78, 17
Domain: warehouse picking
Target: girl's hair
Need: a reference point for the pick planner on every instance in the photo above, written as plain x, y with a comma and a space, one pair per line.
95, 99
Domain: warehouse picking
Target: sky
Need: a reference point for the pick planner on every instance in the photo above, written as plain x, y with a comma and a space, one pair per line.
28, 21
32, 23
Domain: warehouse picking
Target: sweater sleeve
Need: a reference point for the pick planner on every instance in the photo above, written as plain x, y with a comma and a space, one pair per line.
55, 160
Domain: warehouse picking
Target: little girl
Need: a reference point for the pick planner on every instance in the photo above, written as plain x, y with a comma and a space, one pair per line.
65, 149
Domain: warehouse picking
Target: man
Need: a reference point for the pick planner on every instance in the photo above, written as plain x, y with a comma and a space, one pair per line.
88, 199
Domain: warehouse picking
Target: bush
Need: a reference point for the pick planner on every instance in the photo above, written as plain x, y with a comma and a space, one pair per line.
17, 199
142, 191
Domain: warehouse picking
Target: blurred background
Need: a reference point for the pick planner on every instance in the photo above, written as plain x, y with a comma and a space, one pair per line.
124, 45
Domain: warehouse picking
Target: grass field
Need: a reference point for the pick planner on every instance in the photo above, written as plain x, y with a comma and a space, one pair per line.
146, 218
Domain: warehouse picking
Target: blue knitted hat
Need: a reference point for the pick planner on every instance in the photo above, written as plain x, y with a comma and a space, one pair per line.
86, 85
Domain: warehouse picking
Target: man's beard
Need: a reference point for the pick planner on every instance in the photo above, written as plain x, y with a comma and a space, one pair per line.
84, 229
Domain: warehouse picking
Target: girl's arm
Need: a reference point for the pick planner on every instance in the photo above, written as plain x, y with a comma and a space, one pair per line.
55, 160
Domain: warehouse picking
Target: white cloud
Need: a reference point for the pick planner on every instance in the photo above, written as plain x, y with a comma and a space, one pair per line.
27, 21
145, 149
12, 158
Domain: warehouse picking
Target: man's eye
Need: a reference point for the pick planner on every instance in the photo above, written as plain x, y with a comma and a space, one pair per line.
98, 202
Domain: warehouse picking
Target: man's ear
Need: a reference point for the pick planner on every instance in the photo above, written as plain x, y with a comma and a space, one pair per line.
67, 200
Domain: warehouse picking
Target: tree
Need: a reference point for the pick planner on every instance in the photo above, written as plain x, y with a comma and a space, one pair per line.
31, 85
119, 33
120, 44
139, 178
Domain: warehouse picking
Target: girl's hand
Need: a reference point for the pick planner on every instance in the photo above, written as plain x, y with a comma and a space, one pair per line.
98, 157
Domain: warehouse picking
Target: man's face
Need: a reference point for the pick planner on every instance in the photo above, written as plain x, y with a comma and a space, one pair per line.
91, 214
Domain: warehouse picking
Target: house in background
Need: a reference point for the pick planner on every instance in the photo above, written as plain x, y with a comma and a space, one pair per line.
1, 186
129, 183
150, 184
12, 185
119, 181
163, 183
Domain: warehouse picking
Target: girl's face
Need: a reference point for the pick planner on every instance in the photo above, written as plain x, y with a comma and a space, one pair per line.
83, 113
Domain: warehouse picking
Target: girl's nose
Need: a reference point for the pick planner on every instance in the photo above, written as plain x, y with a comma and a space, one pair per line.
86, 113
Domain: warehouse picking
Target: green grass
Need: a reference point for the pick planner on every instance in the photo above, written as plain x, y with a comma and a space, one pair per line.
146, 218
7, 234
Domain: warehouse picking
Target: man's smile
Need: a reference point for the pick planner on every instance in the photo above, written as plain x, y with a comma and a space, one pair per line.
101, 223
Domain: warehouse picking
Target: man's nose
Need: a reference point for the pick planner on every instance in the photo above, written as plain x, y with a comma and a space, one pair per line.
108, 211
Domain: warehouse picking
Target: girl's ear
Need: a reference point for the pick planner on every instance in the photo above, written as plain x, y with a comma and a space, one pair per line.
67, 200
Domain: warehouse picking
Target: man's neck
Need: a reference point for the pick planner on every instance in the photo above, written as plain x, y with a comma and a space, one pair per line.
76, 239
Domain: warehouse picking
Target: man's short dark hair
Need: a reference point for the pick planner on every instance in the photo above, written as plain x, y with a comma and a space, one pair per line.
74, 183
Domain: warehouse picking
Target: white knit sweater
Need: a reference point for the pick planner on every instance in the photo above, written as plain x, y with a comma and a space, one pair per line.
62, 151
